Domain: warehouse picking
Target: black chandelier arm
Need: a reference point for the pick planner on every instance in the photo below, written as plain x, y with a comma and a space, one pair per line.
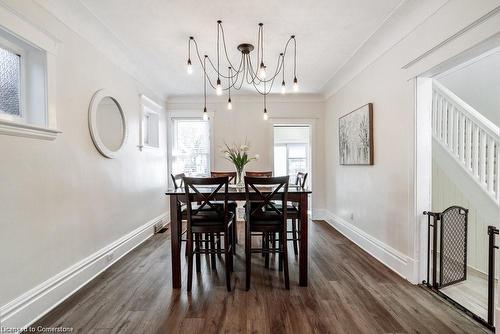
221, 74
245, 68
256, 86
279, 67
225, 48
210, 61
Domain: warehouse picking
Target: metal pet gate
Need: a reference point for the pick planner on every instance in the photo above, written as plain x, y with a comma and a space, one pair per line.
447, 256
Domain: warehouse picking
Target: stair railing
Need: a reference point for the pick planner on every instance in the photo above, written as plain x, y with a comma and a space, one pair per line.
472, 139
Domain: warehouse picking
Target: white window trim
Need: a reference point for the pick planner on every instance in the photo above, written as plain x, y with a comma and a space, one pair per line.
9, 46
187, 114
33, 35
148, 106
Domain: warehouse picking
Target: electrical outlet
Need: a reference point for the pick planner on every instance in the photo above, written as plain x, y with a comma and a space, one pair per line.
158, 226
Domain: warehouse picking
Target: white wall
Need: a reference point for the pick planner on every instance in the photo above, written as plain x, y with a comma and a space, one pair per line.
380, 198
478, 84
61, 201
245, 122
451, 185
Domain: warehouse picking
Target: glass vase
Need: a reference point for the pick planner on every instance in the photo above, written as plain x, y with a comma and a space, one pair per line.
239, 178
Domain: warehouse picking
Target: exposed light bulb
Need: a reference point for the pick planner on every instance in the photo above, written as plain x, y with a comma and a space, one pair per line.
205, 114
189, 67
229, 105
265, 116
218, 88
295, 85
283, 88
262, 71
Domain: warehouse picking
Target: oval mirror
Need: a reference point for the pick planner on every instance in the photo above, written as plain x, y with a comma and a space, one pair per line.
108, 127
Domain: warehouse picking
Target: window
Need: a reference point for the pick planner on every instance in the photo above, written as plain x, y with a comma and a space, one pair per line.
27, 79
10, 83
291, 150
150, 123
191, 147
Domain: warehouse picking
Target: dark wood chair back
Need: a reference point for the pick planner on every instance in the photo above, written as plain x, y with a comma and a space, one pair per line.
178, 180
230, 175
218, 187
259, 174
301, 179
259, 204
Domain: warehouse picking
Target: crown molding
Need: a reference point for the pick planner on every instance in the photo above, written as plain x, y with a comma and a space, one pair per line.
83, 22
245, 98
399, 24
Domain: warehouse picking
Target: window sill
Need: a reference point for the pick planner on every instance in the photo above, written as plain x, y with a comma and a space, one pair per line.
27, 130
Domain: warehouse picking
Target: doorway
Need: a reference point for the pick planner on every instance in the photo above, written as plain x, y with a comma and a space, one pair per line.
292, 149
457, 165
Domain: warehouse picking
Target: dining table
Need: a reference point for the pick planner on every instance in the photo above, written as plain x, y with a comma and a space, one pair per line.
177, 196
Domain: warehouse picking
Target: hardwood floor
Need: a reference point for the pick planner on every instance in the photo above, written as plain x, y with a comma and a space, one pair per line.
349, 292
471, 293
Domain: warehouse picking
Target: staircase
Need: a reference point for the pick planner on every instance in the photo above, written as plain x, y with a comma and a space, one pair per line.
471, 139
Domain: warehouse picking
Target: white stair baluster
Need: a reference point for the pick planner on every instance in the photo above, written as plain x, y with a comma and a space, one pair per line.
469, 137
490, 162
475, 151
482, 157
468, 143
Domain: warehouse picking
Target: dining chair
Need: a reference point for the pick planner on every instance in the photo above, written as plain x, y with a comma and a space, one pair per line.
266, 222
292, 209
208, 218
178, 181
232, 205
273, 237
259, 174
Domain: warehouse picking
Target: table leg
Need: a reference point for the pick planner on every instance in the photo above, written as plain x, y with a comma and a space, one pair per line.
175, 228
303, 247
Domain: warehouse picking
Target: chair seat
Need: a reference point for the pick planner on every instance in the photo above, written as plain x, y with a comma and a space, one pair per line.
232, 205
209, 218
290, 207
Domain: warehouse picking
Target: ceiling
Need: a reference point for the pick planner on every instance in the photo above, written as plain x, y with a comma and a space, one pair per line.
154, 33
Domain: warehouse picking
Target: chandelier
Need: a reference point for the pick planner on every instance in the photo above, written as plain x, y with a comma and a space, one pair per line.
254, 73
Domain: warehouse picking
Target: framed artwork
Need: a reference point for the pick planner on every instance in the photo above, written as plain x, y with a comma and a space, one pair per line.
356, 137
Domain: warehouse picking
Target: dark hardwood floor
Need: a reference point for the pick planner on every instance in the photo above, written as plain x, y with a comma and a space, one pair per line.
349, 292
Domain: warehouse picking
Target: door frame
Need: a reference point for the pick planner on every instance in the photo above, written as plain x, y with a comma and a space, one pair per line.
311, 122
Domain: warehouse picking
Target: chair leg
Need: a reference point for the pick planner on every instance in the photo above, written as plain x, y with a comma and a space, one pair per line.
280, 255
227, 259
207, 246
234, 237
197, 248
248, 259
218, 242
294, 236
190, 261
235, 229
284, 247
212, 255
266, 247
263, 243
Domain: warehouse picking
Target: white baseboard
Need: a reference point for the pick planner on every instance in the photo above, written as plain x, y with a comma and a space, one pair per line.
34, 304
390, 257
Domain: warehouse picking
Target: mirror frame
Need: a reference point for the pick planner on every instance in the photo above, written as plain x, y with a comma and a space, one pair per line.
94, 132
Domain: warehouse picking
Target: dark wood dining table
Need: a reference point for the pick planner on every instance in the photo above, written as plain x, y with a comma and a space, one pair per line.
295, 194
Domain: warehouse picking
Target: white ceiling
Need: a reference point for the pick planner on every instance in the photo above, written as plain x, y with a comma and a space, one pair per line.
154, 34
